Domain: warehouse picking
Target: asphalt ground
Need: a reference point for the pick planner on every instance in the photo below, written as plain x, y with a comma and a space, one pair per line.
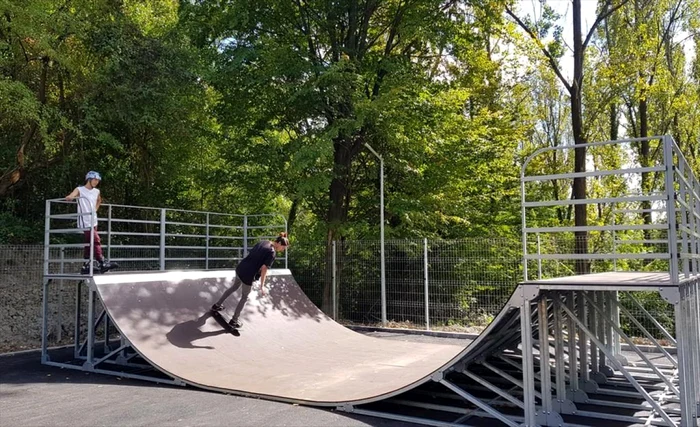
35, 395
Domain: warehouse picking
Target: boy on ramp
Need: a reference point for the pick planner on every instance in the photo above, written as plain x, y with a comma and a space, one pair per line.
254, 265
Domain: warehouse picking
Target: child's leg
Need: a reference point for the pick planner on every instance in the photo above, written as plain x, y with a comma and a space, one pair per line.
236, 284
241, 303
86, 250
97, 245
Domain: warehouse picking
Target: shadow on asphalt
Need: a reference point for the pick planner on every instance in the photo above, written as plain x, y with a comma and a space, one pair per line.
26, 368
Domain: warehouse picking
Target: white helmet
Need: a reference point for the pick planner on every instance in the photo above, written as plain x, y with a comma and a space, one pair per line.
93, 175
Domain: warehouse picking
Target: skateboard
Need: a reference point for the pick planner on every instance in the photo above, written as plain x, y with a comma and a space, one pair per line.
224, 323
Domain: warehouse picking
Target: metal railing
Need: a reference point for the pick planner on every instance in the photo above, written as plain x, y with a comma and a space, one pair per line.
638, 213
145, 238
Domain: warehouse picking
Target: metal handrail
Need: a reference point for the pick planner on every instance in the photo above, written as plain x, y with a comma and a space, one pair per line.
128, 237
676, 208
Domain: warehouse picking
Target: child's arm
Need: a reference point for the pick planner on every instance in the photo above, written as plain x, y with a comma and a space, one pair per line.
263, 275
99, 201
75, 193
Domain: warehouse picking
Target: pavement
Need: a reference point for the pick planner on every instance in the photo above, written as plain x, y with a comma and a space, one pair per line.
35, 395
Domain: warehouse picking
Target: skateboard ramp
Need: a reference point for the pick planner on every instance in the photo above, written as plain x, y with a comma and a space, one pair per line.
522, 370
287, 349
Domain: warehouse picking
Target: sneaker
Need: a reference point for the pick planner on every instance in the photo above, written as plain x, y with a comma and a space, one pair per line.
235, 323
85, 269
217, 307
106, 266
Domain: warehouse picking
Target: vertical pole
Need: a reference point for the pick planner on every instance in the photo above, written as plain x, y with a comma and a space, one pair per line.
206, 253
381, 236
684, 374
602, 362
91, 330
162, 240
545, 367
44, 321
573, 333
106, 325
539, 259
425, 278
47, 236
109, 232
59, 332
614, 237
523, 221
45, 300
583, 340
245, 235
671, 210
593, 326
609, 330
335, 285
617, 344
528, 364
286, 254
696, 234
381, 232
78, 309
685, 219
559, 364
695, 301
92, 230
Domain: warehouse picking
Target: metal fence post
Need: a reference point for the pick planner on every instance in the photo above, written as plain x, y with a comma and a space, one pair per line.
425, 276
671, 210
109, 232
206, 254
245, 235
162, 240
335, 284
539, 257
59, 314
47, 236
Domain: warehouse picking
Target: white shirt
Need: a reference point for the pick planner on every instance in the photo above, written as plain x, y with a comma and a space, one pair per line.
87, 205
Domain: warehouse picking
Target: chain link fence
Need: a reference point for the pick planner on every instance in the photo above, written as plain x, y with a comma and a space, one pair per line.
449, 285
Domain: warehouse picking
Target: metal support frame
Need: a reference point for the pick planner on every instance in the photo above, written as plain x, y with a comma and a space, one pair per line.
499, 383
550, 349
573, 333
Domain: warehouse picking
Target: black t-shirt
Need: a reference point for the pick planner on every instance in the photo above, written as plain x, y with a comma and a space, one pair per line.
262, 253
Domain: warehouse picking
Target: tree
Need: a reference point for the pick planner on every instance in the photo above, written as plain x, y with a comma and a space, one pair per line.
305, 85
537, 30
96, 85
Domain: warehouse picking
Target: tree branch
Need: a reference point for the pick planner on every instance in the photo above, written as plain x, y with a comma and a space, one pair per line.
547, 54
603, 15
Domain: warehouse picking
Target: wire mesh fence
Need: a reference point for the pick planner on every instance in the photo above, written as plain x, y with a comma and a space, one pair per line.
455, 285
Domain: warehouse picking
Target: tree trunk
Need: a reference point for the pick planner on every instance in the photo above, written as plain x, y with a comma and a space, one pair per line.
579, 186
614, 122
292, 216
644, 161
337, 209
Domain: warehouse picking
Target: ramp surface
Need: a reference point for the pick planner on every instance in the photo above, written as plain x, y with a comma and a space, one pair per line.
287, 349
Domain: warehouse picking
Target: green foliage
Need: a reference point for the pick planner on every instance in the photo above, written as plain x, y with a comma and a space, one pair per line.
14, 230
